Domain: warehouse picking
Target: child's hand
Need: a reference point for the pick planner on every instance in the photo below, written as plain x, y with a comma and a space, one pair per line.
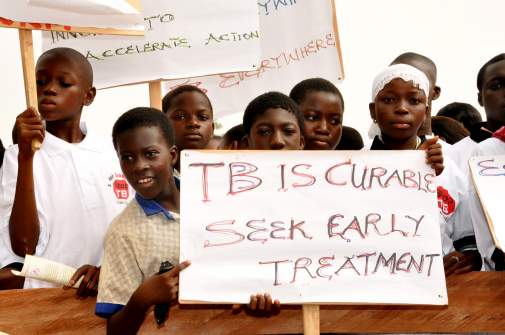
28, 127
457, 262
89, 284
160, 289
260, 305
434, 156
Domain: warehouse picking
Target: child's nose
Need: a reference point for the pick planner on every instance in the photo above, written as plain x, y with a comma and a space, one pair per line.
277, 141
322, 127
402, 107
50, 88
193, 122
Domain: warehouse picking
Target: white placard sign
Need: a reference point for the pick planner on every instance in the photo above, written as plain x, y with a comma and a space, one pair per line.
310, 227
119, 14
298, 41
183, 38
488, 174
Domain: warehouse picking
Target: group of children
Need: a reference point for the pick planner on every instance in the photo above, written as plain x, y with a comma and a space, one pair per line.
110, 208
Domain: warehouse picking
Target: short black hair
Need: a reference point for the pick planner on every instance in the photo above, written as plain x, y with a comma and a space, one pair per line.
268, 100
166, 103
461, 112
75, 56
143, 117
482, 71
351, 139
450, 130
300, 90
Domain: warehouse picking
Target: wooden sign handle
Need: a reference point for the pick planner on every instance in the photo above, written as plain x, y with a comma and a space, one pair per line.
311, 319
27, 60
155, 94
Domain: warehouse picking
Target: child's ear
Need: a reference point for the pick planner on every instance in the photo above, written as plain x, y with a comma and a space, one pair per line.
436, 92
90, 96
302, 142
371, 107
174, 155
479, 98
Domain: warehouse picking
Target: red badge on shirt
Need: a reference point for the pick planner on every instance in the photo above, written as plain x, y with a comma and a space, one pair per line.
445, 202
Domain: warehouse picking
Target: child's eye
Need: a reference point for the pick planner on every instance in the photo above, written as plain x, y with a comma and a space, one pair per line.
127, 158
203, 117
415, 101
496, 86
335, 120
152, 154
263, 131
311, 117
387, 100
40, 82
180, 116
65, 84
289, 131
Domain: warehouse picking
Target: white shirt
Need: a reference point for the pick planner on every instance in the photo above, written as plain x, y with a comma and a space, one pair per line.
79, 189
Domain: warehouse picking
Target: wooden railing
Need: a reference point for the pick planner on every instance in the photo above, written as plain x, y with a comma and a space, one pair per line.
476, 304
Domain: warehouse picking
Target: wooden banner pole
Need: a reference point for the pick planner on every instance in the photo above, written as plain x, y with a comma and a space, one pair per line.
27, 60
311, 324
155, 94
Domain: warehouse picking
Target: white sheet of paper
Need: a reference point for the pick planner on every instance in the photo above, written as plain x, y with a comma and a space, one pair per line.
97, 7
298, 42
298, 225
488, 174
183, 38
23, 11
46, 270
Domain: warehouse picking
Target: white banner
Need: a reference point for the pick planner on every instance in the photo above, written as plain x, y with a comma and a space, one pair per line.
183, 38
310, 227
119, 14
488, 174
298, 41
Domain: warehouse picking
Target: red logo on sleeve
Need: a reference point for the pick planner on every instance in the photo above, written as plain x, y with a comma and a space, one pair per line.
120, 187
446, 203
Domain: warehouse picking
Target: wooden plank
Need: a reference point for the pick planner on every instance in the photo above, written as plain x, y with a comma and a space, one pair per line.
155, 94
476, 304
27, 60
311, 322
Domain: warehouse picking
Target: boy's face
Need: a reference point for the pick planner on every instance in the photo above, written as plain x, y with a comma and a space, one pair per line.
191, 118
275, 129
492, 96
147, 162
399, 109
62, 89
323, 115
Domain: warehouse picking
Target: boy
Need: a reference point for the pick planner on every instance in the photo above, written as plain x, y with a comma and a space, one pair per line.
462, 112
146, 233
57, 202
190, 113
273, 121
322, 106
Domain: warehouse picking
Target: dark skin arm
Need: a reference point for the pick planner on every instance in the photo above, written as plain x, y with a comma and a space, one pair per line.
159, 289
89, 283
9, 281
24, 226
260, 305
434, 157
462, 262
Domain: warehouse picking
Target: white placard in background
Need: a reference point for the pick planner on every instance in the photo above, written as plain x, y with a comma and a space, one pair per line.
26, 11
488, 174
183, 38
310, 227
298, 41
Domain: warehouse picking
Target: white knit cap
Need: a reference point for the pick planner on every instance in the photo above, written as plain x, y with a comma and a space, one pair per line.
402, 71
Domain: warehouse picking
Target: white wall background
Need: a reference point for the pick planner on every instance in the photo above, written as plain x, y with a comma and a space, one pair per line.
459, 35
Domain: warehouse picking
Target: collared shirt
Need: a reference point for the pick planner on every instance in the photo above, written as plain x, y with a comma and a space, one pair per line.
79, 189
138, 240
